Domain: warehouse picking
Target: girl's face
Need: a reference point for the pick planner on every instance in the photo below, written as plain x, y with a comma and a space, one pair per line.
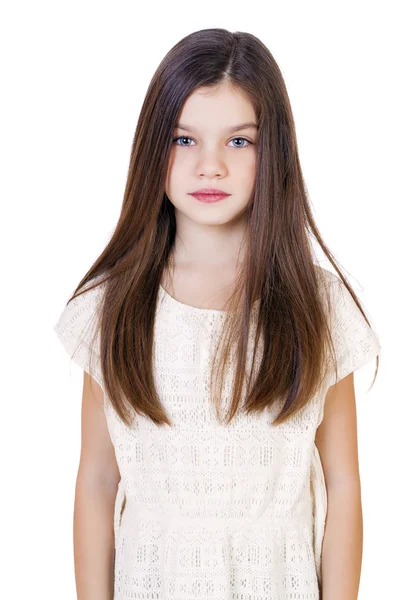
212, 149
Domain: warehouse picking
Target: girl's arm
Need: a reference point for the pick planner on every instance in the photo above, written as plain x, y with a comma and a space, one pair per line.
336, 439
95, 494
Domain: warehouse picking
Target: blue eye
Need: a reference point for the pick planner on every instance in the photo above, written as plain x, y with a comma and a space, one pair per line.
184, 137
244, 139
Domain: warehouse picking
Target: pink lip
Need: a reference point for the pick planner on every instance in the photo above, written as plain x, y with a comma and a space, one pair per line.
214, 191
209, 195
208, 198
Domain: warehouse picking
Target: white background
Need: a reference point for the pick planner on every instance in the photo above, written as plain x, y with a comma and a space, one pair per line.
74, 76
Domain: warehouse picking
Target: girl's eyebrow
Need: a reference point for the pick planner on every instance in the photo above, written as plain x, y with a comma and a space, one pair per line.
229, 129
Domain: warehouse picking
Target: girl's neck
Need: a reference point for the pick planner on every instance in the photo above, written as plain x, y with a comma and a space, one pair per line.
201, 284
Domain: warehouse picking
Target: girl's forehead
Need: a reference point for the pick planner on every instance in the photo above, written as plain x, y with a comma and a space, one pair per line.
227, 129
217, 112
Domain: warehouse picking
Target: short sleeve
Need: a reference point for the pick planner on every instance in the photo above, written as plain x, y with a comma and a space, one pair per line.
76, 328
355, 342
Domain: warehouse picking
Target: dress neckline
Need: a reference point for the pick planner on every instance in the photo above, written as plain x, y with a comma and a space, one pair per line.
189, 307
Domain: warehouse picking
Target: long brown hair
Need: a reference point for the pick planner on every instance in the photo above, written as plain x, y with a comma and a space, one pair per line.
279, 268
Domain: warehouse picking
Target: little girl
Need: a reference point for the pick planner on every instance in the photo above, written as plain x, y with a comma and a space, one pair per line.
221, 353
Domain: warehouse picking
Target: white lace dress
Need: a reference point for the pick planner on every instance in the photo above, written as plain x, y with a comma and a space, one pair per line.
207, 511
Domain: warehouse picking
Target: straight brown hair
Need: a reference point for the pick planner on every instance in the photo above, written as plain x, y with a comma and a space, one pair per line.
279, 270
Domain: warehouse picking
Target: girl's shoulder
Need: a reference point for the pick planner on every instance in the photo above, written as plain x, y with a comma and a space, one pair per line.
77, 328
355, 341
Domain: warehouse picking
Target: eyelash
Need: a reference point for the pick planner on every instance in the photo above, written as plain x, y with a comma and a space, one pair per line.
189, 138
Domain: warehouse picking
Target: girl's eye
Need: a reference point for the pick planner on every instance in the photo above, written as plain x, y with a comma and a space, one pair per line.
244, 140
184, 137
